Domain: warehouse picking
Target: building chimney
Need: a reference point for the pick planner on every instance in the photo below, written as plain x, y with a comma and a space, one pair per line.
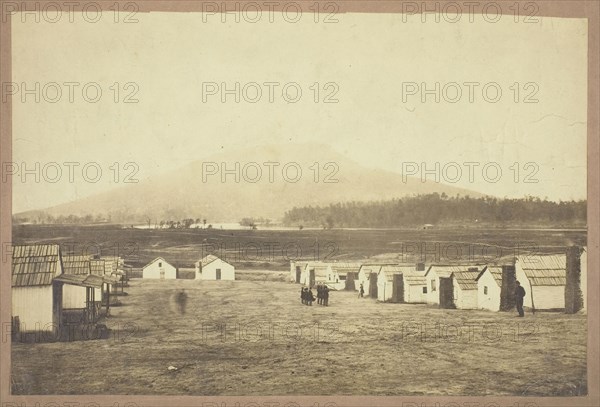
474, 269
420, 266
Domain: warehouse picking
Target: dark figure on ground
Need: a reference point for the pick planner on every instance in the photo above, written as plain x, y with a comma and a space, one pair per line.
303, 295
361, 291
181, 300
310, 296
319, 294
325, 295
519, 294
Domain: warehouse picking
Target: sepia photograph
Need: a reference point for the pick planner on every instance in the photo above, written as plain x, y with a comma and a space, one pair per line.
324, 204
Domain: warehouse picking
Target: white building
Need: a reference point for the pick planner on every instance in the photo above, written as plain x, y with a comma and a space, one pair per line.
489, 288
366, 274
36, 297
159, 268
415, 287
74, 296
342, 275
213, 268
544, 278
464, 284
296, 269
315, 272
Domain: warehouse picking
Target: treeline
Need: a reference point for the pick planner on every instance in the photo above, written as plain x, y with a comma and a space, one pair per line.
44, 218
439, 209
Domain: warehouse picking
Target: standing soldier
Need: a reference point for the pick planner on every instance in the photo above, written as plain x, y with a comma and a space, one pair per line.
361, 292
519, 294
309, 296
326, 295
302, 295
181, 300
319, 294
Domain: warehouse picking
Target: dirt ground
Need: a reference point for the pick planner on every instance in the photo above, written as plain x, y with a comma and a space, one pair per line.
254, 337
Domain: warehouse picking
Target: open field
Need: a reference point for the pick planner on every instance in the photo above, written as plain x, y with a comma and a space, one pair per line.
272, 249
256, 338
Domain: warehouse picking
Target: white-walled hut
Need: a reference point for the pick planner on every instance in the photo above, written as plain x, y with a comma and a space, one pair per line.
489, 288
315, 272
76, 295
464, 284
434, 274
159, 269
368, 273
343, 275
213, 268
36, 297
415, 286
544, 278
390, 282
296, 269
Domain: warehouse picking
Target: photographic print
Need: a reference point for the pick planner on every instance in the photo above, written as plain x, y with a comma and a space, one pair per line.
299, 203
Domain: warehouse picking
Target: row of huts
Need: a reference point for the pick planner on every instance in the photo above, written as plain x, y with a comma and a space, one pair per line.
551, 281
51, 289
208, 268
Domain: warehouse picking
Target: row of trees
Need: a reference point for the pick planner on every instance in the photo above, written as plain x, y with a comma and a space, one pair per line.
44, 218
439, 209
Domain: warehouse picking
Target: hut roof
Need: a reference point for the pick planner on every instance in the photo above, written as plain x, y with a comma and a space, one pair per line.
206, 260
372, 268
547, 270
97, 267
82, 280
466, 280
414, 277
76, 265
495, 271
345, 268
155, 260
35, 265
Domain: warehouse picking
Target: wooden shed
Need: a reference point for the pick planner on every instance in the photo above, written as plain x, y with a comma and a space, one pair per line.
315, 272
415, 286
296, 269
464, 284
36, 297
544, 278
390, 282
213, 268
367, 273
342, 275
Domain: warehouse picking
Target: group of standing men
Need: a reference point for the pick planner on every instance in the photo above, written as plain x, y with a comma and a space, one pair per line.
322, 294
307, 296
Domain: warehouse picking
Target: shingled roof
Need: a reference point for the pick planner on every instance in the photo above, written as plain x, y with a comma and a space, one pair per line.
495, 271
76, 265
35, 265
466, 280
548, 270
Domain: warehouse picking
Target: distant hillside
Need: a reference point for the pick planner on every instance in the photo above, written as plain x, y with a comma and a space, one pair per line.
183, 193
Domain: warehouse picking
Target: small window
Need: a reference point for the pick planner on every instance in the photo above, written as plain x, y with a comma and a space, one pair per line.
424, 290
433, 288
160, 264
485, 289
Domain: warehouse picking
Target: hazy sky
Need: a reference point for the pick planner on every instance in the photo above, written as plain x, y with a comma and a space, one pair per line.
369, 57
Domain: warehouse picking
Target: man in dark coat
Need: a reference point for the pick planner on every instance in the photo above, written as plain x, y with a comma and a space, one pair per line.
361, 292
319, 293
303, 295
309, 296
519, 295
325, 295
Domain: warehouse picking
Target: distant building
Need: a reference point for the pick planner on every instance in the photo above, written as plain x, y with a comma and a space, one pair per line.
448, 290
315, 272
36, 297
367, 276
160, 269
343, 275
415, 286
213, 268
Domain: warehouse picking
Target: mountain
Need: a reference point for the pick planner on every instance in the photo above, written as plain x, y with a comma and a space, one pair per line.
261, 190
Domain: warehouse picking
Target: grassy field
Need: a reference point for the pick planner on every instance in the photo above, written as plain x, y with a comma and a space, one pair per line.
254, 337
271, 249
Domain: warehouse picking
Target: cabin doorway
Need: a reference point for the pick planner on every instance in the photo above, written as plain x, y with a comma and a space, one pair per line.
398, 288
218, 274
373, 285
298, 274
446, 293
